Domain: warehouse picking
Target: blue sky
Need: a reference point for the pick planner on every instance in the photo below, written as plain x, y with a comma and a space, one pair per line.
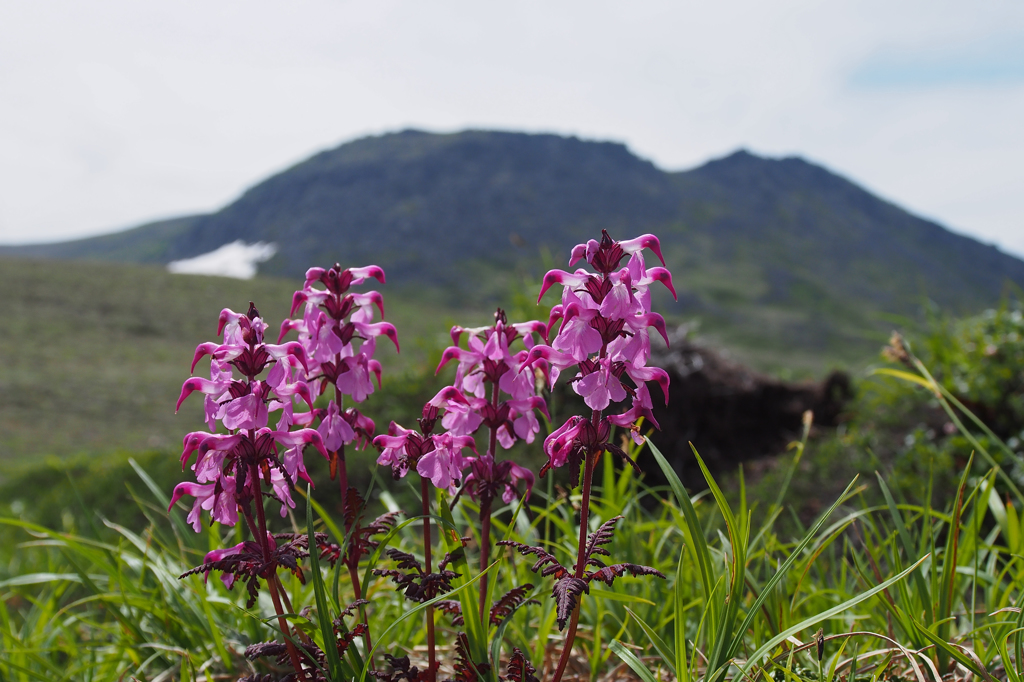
115, 112
992, 61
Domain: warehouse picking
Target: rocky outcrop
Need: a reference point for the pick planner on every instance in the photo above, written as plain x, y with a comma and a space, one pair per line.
731, 413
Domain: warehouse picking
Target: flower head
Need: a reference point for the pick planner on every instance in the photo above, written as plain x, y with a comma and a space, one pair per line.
604, 331
489, 479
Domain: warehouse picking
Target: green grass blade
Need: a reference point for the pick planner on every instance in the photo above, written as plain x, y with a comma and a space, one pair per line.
1004, 653
475, 630
663, 649
947, 582
739, 537
825, 615
908, 548
1018, 640
320, 590
784, 569
630, 659
953, 652
495, 647
693, 530
619, 596
678, 629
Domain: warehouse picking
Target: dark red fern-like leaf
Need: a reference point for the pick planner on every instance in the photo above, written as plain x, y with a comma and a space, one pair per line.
519, 668
466, 669
401, 671
406, 561
609, 573
546, 562
602, 536
509, 602
452, 608
566, 592
413, 582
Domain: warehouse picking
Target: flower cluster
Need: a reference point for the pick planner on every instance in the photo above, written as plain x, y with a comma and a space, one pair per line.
335, 347
487, 371
228, 467
600, 331
339, 336
604, 322
437, 457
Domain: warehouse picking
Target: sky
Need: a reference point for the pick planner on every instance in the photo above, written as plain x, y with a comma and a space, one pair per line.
115, 112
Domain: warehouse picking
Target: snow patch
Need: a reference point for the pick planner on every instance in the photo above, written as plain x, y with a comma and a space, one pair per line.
236, 259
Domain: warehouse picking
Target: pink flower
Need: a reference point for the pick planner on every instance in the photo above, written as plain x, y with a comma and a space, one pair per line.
487, 479
401, 449
248, 411
217, 498
577, 338
283, 490
642, 407
220, 554
212, 388
355, 379
295, 466
443, 465
523, 419
560, 442
599, 386
334, 430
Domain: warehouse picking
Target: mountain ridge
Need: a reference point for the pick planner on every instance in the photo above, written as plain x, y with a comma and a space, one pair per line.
759, 246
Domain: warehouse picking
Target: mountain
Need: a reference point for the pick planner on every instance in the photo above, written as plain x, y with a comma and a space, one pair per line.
773, 255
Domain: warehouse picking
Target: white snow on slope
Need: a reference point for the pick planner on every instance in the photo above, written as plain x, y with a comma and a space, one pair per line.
236, 259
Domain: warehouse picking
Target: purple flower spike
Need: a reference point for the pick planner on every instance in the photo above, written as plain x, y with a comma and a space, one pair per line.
605, 318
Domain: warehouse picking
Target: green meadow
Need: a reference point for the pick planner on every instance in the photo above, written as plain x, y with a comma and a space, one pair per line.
889, 548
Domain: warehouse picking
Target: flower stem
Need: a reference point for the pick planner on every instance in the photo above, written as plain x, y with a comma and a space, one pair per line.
485, 550
485, 509
288, 605
293, 654
570, 636
353, 575
342, 472
431, 655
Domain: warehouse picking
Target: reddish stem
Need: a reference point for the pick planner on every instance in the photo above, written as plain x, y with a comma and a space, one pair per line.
353, 574
431, 654
293, 654
342, 472
485, 511
588, 475
291, 609
485, 550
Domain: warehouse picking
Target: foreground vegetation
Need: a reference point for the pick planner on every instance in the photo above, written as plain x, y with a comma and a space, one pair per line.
892, 579
900, 590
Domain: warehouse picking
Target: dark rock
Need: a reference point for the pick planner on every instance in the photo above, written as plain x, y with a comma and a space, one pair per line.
731, 413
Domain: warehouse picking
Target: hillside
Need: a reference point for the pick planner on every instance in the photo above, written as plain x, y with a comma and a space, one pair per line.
773, 256
95, 354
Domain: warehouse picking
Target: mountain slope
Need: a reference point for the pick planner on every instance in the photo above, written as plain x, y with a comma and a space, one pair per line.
147, 243
773, 255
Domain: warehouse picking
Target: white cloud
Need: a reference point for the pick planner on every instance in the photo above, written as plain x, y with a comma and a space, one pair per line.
117, 111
